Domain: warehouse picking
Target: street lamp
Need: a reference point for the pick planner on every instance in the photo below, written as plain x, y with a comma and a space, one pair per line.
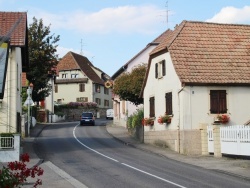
29, 102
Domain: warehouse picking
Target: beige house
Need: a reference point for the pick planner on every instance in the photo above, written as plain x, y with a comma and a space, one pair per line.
123, 109
78, 80
199, 71
13, 25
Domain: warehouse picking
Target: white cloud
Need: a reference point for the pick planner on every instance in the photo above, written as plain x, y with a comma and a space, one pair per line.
232, 15
124, 19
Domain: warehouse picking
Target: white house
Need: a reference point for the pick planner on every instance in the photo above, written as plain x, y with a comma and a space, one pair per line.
199, 71
123, 109
78, 80
13, 25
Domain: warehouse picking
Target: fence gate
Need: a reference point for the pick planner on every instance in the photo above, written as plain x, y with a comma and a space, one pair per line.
210, 137
235, 140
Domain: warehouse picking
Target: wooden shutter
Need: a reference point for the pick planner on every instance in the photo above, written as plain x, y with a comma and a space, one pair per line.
218, 101
169, 106
56, 88
81, 87
156, 70
151, 107
163, 68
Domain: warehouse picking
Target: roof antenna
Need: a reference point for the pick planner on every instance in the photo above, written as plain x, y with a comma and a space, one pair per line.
167, 13
81, 52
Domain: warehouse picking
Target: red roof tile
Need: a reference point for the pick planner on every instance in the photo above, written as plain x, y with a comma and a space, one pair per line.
8, 20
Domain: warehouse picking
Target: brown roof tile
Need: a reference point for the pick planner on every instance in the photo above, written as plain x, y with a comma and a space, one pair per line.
8, 20
209, 53
75, 61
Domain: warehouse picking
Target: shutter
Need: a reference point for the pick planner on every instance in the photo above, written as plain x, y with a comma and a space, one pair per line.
169, 106
151, 107
214, 108
56, 88
223, 101
156, 70
163, 68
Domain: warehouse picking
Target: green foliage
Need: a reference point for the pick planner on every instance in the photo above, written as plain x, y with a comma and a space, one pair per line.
42, 57
136, 119
128, 85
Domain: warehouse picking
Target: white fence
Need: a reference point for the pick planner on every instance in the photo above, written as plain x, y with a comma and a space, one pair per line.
10, 152
235, 140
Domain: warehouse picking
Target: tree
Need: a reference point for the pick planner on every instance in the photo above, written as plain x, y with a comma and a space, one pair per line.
42, 58
128, 85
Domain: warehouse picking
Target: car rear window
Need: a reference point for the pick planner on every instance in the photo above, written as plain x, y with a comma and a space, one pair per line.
87, 114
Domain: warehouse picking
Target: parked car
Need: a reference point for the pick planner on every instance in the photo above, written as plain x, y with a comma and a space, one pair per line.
87, 118
110, 114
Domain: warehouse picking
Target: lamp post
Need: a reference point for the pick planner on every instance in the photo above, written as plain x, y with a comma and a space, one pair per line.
29, 102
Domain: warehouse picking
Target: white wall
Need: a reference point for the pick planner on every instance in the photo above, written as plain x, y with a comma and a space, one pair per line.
11, 103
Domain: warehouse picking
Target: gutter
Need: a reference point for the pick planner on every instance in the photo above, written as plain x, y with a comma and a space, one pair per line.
179, 139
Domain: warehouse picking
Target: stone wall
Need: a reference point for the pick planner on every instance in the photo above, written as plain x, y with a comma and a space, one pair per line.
189, 143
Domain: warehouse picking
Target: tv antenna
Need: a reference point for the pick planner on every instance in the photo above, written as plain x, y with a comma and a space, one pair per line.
167, 10
81, 52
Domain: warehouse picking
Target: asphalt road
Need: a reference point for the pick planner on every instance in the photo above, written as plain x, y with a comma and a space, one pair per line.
93, 157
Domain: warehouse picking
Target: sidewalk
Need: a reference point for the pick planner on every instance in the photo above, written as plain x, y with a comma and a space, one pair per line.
231, 166
55, 177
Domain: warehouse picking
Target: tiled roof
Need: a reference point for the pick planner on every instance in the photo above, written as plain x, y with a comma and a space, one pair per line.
8, 20
75, 61
209, 53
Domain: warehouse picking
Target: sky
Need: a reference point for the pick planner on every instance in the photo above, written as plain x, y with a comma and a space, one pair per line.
111, 32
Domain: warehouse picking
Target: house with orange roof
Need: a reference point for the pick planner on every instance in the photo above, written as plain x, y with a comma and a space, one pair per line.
13, 25
78, 80
199, 71
122, 108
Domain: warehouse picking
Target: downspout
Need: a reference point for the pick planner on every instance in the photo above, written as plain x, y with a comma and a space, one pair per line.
179, 138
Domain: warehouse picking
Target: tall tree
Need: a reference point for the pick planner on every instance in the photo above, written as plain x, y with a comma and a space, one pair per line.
42, 57
128, 85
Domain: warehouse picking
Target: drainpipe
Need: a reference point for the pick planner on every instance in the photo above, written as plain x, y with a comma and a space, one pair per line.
179, 139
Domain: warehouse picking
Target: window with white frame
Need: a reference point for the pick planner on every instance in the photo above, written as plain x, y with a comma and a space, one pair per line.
160, 69
74, 75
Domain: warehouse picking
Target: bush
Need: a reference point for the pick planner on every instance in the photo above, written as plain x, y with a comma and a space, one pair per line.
136, 119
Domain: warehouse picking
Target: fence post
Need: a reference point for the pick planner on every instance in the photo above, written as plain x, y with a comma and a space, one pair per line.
16, 147
204, 139
217, 144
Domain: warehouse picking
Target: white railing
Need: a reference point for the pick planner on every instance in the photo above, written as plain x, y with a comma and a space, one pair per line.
235, 140
6, 142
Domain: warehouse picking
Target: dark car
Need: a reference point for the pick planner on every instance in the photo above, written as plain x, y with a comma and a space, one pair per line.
87, 118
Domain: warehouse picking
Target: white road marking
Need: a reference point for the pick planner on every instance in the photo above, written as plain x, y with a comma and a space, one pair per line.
157, 177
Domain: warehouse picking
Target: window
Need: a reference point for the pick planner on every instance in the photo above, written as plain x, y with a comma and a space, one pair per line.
106, 103
64, 75
168, 101
81, 87
160, 69
106, 91
218, 101
97, 88
74, 75
98, 101
56, 88
151, 107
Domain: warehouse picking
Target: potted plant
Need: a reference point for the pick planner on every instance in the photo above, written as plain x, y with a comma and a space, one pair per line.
148, 121
164, 119
222, 118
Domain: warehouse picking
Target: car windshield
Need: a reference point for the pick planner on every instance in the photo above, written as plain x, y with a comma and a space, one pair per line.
87, 114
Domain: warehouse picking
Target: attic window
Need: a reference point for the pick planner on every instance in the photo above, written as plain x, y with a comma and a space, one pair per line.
160, 69
74, 75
